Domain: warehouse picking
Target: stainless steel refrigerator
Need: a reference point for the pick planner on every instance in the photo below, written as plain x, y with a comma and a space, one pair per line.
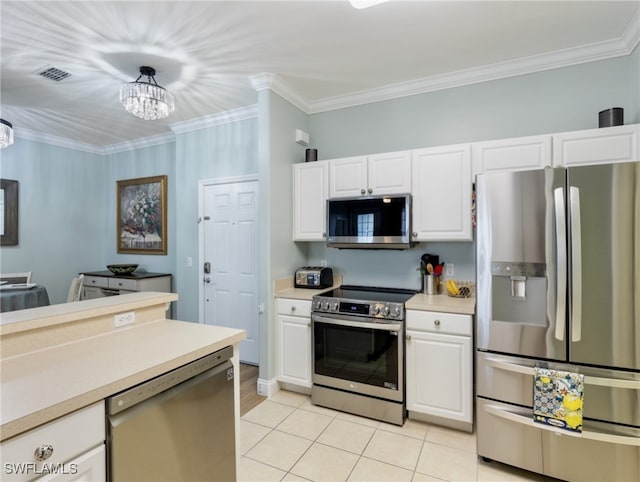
558, 278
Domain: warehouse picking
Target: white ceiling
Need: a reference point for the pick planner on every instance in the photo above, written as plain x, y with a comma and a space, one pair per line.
325, 54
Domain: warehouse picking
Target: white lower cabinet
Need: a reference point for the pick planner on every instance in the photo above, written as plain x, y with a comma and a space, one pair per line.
70, 448
439, 354
294, 341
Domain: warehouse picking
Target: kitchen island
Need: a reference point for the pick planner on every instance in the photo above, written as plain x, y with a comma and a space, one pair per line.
59, 359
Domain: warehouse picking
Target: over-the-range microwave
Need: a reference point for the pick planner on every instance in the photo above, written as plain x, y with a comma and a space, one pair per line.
372, 222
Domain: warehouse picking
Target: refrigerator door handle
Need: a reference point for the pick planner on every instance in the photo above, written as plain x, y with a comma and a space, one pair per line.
561, 261
576, 264
586, 434
588, 379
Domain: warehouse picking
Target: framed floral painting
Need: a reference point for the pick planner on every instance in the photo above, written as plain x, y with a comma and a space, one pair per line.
142, 215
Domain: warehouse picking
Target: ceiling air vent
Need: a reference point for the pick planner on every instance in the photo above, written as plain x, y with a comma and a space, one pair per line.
52, 73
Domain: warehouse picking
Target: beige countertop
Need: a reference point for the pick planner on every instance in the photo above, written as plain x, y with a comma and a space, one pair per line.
40, 385
442, 303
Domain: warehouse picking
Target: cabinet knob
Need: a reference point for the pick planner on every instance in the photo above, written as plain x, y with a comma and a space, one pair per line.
414, 234
43, 452
408, 337
369, 190
362, 191
324, 235
436, 322
293, 308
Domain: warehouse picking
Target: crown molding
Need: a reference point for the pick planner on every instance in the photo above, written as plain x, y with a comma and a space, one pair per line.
50, 139
268, 81
213, 120
537, 63
139, 143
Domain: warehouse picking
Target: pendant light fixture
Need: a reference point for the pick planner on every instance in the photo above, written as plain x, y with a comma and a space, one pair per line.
6, 133
146, 99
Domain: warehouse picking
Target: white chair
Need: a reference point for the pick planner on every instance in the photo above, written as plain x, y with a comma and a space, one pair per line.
75, 290
13, 278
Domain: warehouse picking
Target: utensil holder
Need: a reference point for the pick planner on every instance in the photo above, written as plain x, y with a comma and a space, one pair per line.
430, 284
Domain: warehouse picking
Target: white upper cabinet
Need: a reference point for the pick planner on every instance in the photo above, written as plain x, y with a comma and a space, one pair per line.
597, 146
517, 154
310, 191
441, 191
378, 174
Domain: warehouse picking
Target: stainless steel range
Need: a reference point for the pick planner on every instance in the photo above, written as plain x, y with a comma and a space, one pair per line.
358, 351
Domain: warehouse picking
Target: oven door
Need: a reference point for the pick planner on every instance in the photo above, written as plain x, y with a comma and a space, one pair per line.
357, 355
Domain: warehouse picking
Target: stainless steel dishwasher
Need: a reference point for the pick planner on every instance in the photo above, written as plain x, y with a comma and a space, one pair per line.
179, 426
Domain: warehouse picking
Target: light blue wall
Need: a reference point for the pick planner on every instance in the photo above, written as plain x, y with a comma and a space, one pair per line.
229, 150
144, 162
63, 215
552, 101
279, 255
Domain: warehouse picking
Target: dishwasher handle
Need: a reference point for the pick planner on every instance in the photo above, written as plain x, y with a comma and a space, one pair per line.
138, 394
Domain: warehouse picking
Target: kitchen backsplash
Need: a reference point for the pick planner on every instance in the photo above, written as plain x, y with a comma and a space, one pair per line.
393, 268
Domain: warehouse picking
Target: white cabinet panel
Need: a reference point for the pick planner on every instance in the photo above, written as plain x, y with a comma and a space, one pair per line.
389, 173
597, 146
378, 174
518, 154
89, 467
439, 375
310, 192
294, 342
348, 176
68, 437
441, 189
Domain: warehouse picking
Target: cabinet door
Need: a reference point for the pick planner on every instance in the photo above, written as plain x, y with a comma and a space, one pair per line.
441, 189
389, 173
439, 375
519, 154
310, 192
348, 177
88, 467
294, 350
597, 146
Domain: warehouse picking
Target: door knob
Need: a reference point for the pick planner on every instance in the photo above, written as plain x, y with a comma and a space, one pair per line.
207, 279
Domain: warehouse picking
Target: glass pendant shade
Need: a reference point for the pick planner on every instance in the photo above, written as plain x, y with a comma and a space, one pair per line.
6, 133
147, 100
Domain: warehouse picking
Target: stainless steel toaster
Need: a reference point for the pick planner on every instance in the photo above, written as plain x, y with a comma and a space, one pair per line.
313, 277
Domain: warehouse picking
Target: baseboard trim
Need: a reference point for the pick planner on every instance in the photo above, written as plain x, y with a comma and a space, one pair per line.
266, 388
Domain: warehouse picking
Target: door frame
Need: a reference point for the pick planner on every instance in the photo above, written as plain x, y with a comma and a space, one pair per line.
202, 183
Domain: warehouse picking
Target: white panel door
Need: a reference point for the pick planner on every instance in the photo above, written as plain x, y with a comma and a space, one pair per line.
348, 177
230, 261
310, 192
389, 173
441, 189
518, 154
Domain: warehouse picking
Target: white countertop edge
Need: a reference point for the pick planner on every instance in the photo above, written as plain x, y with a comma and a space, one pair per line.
21, 420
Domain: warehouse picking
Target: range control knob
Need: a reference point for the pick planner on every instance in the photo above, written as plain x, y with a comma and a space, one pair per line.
395, 312
386, 310
316, 305
376, 310
334, 306
325, 305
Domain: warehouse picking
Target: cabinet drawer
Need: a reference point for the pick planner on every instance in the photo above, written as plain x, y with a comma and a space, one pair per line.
434, 322
287, 306
98, 281
123, 284
69, 436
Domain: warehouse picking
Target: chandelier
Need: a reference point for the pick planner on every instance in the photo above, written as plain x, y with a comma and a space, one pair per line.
6, 133
147, 100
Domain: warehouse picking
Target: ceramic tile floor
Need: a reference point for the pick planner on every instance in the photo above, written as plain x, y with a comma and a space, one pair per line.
286, 438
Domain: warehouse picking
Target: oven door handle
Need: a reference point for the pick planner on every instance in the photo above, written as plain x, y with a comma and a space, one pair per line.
356, 323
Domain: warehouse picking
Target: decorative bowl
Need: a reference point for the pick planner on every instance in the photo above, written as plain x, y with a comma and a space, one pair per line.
122, 268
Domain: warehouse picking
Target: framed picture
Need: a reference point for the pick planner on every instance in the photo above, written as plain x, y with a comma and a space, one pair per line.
8, 212
142, 215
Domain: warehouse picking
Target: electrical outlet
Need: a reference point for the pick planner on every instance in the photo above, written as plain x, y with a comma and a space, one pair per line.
122, 319
263, 388
323, 263
450, 269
